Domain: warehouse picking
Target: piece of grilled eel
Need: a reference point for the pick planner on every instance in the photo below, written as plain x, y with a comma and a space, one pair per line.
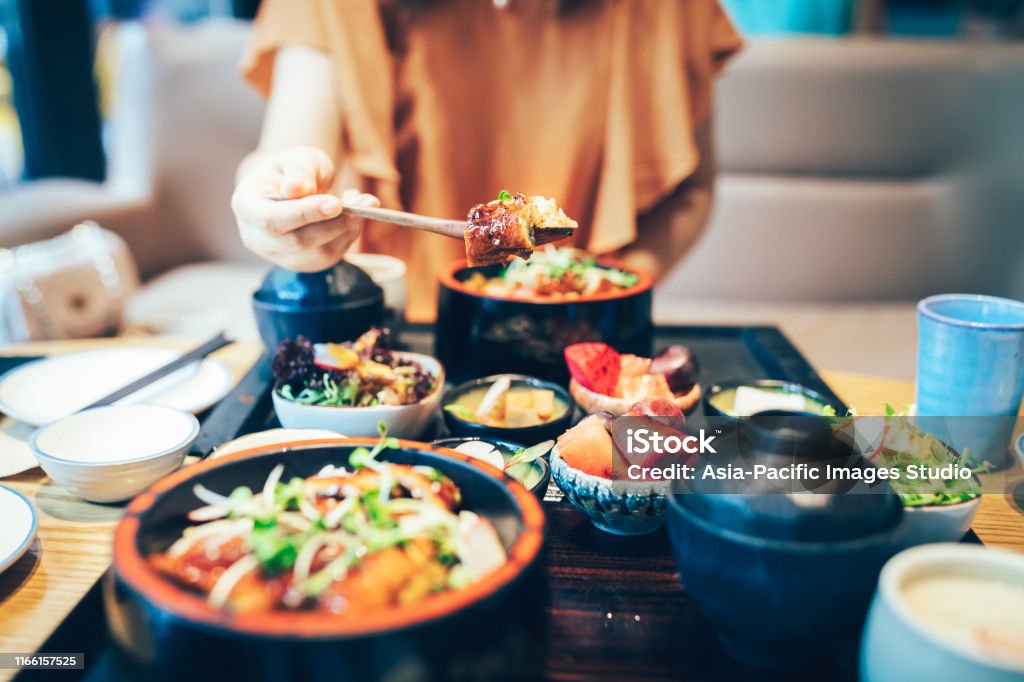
513, 225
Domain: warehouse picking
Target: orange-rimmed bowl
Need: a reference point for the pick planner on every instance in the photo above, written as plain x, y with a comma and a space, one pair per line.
478, 334
164, 631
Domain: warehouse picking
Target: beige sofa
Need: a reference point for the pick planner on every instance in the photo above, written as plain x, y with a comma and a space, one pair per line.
856, 177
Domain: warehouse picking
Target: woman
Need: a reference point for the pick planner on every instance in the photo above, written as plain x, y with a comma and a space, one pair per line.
433, 106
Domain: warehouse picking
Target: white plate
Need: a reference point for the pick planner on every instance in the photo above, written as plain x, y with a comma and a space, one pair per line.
18, 527
272, 438
52, 388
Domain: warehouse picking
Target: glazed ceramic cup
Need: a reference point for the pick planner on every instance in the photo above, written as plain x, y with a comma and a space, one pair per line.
970, 363
951, 636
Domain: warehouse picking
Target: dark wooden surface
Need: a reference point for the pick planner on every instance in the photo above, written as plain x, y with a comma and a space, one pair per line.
618, 612
617, 608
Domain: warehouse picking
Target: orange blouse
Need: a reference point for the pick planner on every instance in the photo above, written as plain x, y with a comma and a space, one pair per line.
446, 105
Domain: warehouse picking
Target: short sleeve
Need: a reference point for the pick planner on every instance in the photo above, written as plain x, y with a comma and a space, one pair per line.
279, 23
724, 40
665, 57
352, 33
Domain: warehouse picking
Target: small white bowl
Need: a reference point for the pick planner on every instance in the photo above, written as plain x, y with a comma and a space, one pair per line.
403, 421
388, 273
902, 643
932, 523
111, 454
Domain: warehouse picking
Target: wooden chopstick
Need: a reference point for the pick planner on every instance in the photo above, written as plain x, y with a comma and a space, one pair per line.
449, 228
197, 353
456, 229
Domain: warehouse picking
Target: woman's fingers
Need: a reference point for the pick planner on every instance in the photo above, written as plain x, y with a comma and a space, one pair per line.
303, 239
304, 171
296, 184
316, 235
310, 248
285, 215
278, 218
354, 197
368, 200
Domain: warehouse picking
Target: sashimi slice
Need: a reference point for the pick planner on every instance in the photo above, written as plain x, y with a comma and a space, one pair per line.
633, 365
588, 447
637, 388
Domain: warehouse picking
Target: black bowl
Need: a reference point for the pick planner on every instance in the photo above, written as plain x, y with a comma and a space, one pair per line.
776, 602
528, 434
766, 384
335, 305
493, 629
477, 334
539, 489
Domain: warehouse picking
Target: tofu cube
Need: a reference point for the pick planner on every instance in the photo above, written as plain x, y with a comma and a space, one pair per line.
544, 403
522, 418
519, 409
518, 401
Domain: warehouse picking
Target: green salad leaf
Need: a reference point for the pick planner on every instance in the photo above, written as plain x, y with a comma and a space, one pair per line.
904, 445
275, 550
525, 456
462, 412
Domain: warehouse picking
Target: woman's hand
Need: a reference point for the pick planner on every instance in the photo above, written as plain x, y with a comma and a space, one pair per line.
285, 215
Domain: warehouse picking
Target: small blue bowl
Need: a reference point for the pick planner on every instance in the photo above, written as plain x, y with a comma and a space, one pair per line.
617, 507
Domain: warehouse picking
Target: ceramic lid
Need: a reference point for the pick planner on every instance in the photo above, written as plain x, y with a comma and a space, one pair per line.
804, 510
342, 287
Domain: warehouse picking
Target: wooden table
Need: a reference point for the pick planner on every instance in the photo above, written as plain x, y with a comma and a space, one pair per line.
72, 548
73, 545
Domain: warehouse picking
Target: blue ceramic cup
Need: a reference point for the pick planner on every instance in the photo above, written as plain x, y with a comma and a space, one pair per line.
970, 363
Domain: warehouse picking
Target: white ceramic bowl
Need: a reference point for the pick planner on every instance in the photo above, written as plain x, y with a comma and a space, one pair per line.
111, 454
403, 421
936, 523
388, 273
900, 643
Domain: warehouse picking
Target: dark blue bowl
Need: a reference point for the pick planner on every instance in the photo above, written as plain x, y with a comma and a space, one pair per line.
477, 334
774, 602
335, 305
527, 434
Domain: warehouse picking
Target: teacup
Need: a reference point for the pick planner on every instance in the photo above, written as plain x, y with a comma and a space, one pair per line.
970, 363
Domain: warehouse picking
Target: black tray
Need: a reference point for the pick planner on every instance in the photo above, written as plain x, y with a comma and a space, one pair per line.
617, 609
